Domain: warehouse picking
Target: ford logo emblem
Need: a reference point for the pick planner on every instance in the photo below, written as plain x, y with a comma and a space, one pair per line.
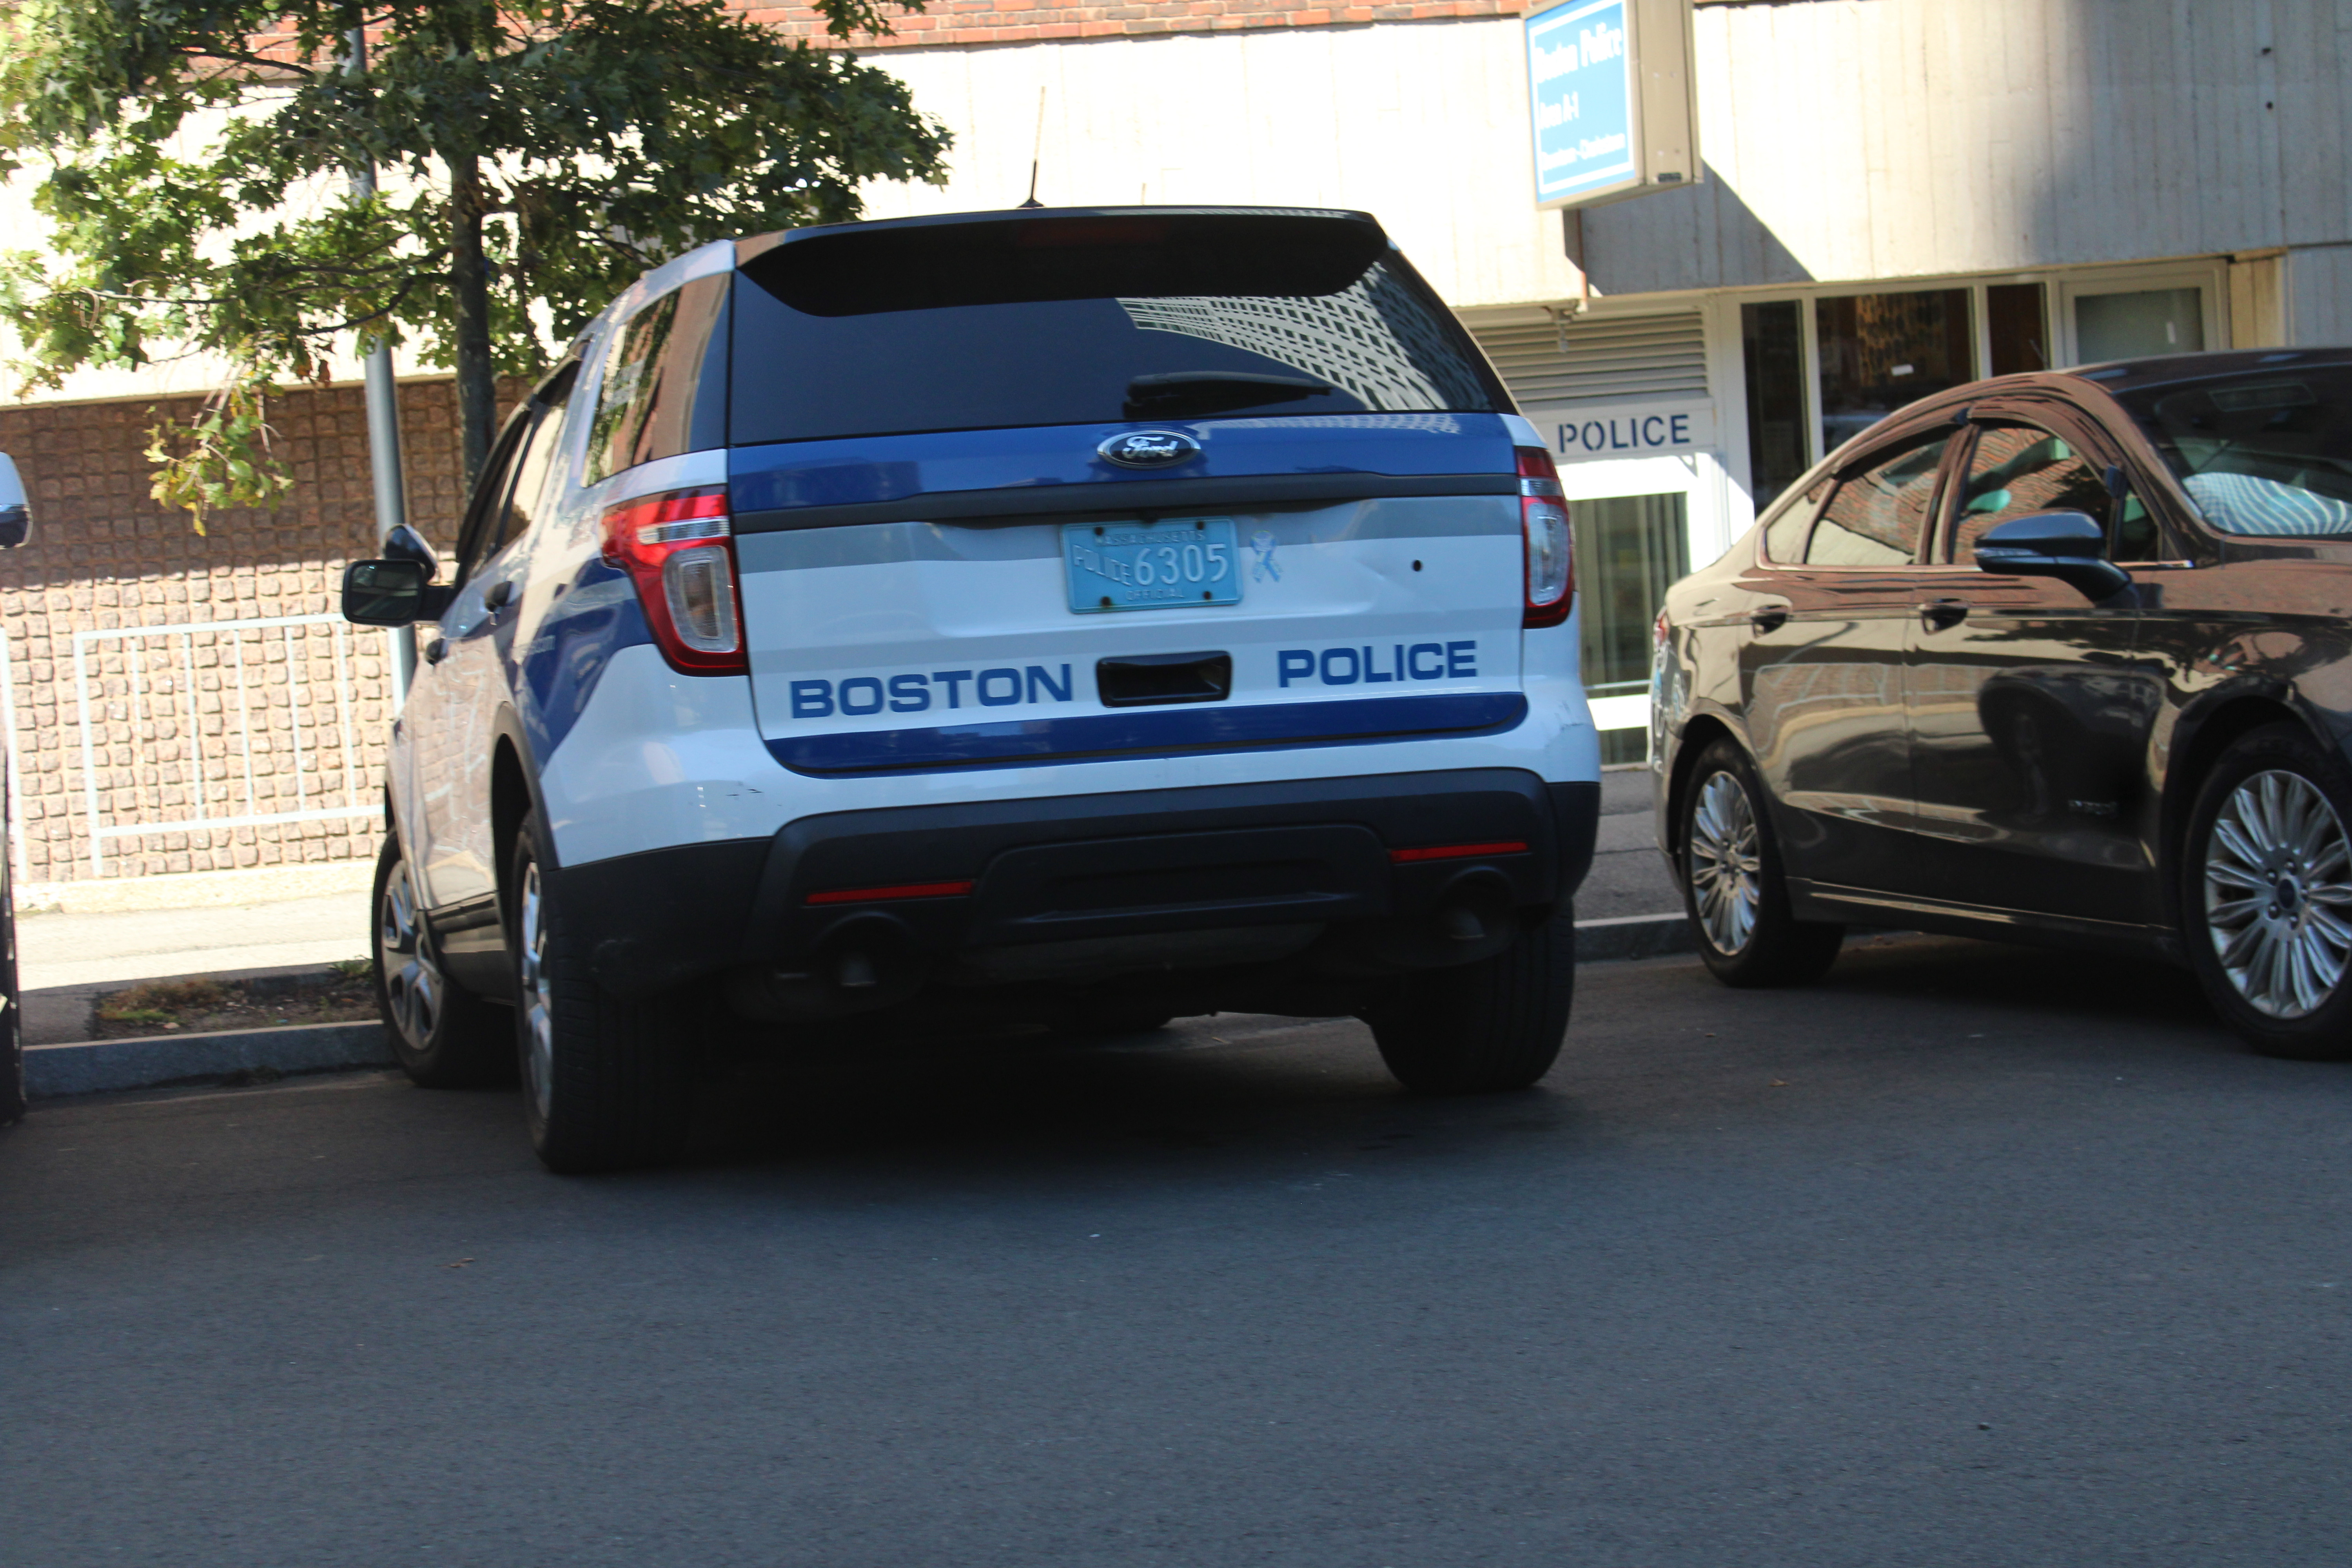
1150, 448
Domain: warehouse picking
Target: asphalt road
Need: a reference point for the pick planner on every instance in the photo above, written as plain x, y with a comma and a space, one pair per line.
1971, 1254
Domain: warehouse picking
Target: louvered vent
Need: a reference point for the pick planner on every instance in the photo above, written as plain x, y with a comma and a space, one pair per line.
1624, 359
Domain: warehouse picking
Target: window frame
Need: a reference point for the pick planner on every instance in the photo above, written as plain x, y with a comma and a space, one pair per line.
2060, 285
498, 476
1933, 423
2090, 435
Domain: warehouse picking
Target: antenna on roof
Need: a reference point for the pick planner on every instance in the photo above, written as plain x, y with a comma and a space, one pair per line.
1036, 150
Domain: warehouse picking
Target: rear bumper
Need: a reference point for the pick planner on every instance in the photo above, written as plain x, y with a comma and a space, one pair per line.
1302, 861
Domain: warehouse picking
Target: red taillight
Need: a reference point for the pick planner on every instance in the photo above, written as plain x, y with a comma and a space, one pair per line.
1458, 851
895, 891
1545, 548
678, 548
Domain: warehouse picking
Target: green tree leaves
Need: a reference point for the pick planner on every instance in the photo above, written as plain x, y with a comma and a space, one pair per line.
534, 157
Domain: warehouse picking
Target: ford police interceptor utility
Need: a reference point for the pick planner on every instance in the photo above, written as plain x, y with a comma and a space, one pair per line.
1080, 618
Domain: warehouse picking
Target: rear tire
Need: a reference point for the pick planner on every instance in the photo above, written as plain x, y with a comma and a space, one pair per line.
607, 1084
1486, 1026
2266, 894
443, 1037
1733, 886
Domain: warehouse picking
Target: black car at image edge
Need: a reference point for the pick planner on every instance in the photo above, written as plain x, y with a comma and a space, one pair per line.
2061, 657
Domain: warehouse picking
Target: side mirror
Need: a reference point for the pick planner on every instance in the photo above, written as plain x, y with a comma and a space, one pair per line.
2067, 545
386, 593
16, 513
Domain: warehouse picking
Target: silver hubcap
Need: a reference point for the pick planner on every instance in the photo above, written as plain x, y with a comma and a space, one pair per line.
411, 981
1726, 870
2277, 903
538, 1016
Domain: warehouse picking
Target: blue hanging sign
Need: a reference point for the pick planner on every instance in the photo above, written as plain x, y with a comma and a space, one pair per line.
1580, 87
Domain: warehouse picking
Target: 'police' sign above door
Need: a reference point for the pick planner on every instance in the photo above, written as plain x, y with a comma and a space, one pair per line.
1582, 434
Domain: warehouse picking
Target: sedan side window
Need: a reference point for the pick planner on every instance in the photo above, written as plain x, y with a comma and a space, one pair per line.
1784, 536
2017, 470
1879, 515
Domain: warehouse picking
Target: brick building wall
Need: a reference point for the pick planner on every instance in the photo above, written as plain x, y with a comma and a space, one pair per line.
221, 723
947, 22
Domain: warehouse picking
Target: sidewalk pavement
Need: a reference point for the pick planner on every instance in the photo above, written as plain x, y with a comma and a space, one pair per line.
1629, 876
62, 950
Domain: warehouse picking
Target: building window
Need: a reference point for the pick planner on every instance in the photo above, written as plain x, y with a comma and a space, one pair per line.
2017, 329
1880, 352
1772, 342
1629, 550
2146, 321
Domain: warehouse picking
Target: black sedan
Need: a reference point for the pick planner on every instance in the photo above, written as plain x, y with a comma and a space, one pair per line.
2061, 657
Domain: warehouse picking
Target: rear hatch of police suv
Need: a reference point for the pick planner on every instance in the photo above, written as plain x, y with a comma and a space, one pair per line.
1029, 488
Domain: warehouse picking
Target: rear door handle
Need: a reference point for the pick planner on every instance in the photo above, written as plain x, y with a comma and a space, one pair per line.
1770, 618
1941, 615
437, 650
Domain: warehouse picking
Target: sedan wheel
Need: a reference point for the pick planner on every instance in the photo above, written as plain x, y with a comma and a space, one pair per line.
1732, 882
2267, 893
2278, 894
1725, 866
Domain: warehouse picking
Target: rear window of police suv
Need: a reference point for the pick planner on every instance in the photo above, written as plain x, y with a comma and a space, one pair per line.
1088, 321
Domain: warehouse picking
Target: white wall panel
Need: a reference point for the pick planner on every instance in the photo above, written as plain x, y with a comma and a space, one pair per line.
2319, 295
1423, 124
1861, 139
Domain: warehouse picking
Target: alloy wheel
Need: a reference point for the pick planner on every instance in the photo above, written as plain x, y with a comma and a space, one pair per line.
1727, 867
412, 980
2278, 893
537, 1013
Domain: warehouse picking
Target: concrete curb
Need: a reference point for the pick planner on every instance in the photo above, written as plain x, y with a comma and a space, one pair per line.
103, 1066
1633, 936
154, 1061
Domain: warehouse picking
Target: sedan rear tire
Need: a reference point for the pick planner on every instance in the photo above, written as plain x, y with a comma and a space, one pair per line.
2266, 893
1733, 886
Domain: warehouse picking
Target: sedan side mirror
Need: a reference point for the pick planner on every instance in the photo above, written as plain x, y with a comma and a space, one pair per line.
390, 594
16, 512
2067, 545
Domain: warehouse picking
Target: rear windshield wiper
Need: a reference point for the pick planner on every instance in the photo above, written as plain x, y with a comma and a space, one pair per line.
1214, 392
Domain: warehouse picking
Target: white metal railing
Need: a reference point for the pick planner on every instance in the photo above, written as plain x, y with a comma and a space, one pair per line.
176, 676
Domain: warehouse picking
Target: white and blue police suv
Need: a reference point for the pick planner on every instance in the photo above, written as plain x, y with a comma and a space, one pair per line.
1072, 617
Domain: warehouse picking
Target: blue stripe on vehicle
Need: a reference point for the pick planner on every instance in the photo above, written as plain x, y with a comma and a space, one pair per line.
1160, 734
597, 618
893, 467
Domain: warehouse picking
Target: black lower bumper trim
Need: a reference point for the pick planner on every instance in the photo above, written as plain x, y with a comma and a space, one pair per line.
1101, 868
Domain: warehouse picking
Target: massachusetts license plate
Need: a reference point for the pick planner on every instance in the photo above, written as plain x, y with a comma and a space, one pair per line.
1157, 566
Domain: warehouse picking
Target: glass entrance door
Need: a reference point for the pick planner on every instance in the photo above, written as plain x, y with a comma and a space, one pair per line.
1629, 550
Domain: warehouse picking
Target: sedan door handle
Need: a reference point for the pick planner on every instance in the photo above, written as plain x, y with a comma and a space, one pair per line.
1770, 618
437, 650
1943, 614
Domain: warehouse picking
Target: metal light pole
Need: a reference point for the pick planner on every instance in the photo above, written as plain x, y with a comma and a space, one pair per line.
382, 420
